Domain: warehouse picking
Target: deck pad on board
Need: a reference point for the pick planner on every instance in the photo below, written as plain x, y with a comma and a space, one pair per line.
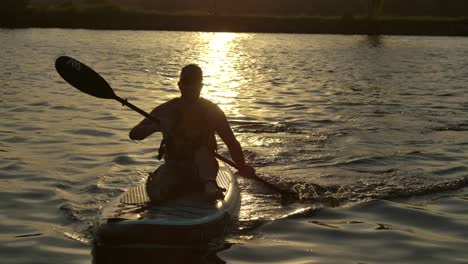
130, 218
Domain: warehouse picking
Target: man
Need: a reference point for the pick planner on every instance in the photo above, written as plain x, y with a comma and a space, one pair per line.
189, 124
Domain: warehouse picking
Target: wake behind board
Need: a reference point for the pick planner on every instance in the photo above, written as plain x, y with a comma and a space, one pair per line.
129, 219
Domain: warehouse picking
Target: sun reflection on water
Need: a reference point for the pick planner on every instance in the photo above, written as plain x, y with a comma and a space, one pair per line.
219, 61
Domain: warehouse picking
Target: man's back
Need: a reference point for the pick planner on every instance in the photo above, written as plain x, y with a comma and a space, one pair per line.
189, 126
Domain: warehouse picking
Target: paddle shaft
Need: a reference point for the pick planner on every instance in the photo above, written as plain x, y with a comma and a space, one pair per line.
137, 109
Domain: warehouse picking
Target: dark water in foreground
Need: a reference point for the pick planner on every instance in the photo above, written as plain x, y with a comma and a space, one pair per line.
378, 123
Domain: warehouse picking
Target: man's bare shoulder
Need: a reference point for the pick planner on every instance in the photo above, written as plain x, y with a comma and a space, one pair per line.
167, 106
210, 106
214, 113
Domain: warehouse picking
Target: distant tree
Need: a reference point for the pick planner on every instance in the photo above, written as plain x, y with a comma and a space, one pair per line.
12, 12
97, 2
214, 8
66, 4
14, 5
374, 7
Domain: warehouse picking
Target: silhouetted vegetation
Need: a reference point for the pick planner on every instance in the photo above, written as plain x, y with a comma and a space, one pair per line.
305, 7
14, 5
415, 17
11, 10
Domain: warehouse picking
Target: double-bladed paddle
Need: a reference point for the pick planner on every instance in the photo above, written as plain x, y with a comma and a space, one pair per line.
88, 81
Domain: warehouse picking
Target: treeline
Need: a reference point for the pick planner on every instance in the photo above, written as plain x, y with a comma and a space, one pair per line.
326, 8
436, 8
425, 8
350, 19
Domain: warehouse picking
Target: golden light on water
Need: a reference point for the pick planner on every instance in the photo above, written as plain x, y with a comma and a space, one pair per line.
219, 63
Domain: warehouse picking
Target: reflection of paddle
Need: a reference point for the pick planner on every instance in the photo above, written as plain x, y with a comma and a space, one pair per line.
88, 81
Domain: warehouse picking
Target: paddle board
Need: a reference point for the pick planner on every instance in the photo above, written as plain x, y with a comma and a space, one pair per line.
130, 219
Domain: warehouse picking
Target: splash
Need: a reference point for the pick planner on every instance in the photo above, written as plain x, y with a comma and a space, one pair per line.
333, 196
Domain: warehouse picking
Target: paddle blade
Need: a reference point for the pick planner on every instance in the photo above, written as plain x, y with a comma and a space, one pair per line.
83, 78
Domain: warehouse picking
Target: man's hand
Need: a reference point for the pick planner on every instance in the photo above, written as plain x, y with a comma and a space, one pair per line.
247, 172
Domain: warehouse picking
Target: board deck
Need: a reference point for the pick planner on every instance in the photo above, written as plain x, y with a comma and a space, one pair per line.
131, 219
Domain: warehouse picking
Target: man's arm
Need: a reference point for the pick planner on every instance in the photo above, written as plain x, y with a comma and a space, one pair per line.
145, 128
225, 133
228, 137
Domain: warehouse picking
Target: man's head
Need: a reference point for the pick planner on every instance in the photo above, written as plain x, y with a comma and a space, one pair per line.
191, 82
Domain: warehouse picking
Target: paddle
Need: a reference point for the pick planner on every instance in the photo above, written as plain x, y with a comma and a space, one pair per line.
88, 81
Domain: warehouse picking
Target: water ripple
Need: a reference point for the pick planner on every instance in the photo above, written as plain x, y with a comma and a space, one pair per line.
335, 118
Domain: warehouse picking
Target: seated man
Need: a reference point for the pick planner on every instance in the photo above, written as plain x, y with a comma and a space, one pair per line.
189, 124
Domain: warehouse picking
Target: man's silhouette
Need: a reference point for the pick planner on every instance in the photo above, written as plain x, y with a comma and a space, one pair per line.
189, 124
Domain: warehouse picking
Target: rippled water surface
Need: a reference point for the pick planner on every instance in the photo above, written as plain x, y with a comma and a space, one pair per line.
370, 132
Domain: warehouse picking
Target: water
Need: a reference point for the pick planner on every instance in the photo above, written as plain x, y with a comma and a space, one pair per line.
370, 132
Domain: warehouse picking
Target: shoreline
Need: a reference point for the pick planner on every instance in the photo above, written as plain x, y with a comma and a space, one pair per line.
249, 24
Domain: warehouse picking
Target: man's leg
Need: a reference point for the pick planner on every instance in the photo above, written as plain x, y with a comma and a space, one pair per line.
207, 168
160, 184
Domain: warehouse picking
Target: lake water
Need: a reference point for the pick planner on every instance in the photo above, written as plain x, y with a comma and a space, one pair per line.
371, 132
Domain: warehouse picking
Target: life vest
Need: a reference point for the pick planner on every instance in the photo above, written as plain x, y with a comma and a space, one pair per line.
191, 131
